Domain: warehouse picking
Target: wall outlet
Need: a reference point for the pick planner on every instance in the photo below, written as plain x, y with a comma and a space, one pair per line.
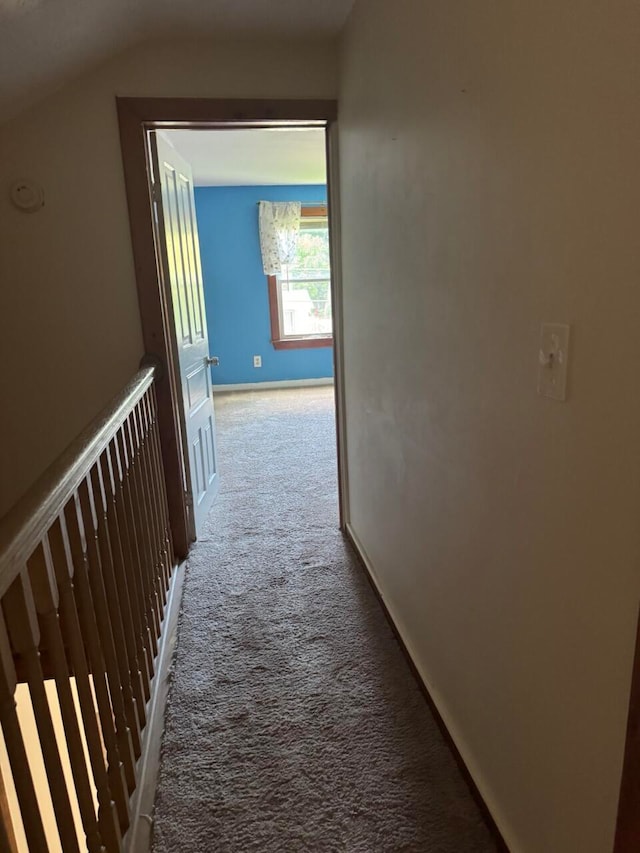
257, 361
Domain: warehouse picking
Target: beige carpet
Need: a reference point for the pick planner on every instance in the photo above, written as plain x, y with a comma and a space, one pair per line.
294, 723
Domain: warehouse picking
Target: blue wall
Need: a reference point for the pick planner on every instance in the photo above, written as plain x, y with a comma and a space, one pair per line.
235, 287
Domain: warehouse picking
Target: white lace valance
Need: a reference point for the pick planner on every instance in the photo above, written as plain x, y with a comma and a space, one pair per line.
279, 228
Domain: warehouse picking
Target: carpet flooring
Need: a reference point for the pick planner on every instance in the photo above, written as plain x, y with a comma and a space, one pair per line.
293, 722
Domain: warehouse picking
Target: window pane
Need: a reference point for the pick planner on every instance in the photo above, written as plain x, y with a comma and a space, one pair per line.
305, 290
313, 247
306, 306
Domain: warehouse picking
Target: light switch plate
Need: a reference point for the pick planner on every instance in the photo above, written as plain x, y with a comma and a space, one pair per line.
553, 360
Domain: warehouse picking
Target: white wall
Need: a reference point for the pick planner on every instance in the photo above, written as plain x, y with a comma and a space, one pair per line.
490, 181
70, 328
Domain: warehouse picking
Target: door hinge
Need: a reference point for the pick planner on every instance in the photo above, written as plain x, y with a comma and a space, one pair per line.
156, 191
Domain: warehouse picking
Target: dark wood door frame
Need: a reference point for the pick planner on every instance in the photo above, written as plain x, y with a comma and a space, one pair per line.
136, 116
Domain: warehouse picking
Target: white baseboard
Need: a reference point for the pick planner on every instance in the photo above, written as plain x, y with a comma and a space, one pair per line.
138, 837
474, 771
265, 386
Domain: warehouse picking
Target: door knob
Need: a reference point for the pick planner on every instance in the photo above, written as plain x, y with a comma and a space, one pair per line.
212, 360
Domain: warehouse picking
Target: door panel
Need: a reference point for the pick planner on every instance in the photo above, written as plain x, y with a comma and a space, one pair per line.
197, 386
177, 232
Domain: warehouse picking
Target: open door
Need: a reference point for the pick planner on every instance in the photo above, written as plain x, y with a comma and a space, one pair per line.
179, 256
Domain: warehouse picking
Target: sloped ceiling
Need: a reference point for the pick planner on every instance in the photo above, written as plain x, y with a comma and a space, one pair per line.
45, 42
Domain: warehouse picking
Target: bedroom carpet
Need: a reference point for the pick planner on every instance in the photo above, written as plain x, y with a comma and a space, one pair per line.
294, 722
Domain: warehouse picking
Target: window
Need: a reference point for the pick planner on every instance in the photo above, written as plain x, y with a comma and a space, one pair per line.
300, 297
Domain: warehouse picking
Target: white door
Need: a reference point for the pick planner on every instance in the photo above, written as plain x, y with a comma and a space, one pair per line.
177, 231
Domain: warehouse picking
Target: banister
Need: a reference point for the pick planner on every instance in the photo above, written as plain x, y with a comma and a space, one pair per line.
26, 523
86, 568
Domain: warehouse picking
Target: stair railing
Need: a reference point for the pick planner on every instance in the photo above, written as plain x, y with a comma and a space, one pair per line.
86, 561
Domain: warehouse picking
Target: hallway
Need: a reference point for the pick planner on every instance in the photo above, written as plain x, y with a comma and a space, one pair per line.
294, 722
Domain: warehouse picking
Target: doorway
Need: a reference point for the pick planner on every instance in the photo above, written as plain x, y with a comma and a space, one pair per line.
176, 337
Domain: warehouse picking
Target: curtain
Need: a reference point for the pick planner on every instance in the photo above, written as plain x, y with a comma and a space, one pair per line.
279, 227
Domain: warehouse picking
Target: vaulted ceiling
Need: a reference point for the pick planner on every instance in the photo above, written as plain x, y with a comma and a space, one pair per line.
44, 42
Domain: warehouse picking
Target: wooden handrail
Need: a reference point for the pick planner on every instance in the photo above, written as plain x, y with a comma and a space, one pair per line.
86, 563
24, 525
